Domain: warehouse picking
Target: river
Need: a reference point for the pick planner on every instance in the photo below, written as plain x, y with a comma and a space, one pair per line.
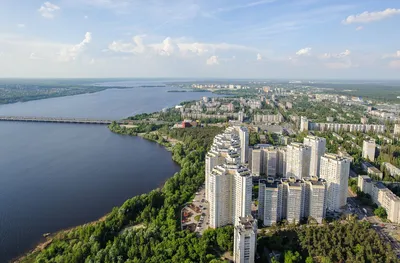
55, 176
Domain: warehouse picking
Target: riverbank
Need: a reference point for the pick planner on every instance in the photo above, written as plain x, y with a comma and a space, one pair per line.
49, 239
157, 209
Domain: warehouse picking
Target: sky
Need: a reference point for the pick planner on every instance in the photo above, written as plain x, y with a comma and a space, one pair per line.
303, 39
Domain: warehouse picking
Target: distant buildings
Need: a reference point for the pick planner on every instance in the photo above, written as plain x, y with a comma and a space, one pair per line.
397, 129
298, 157
336, 127
240, 116
335, 170
245, 240
318, 147
364, 120
304, 124
368, 151
271, 118
329, 119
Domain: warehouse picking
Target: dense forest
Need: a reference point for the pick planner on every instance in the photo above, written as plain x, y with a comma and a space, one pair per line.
349, 241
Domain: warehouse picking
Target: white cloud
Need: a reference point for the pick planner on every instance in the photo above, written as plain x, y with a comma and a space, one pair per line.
71, 53
47, 10
393, 55
21, 25
176, 47
137, 47
213, 60
168, 47
259, 57
33, 56
368, 17
359, 28
304, 51
343, 54
92, 61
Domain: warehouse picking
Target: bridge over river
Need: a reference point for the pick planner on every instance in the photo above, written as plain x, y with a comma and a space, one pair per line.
57, 120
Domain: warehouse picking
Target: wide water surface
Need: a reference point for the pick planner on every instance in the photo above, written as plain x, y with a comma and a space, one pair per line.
55, 176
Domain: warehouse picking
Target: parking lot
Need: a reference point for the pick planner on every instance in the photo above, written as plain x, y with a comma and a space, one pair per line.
195, 215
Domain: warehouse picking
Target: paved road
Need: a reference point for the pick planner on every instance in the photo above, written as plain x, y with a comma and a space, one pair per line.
200, 202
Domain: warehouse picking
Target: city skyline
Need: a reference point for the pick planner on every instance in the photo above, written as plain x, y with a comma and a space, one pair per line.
215, 39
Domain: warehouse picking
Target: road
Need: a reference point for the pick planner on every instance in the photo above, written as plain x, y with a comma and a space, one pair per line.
385, 230
199, 202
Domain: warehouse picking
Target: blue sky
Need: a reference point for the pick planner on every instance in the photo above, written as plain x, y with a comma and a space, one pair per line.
208, 38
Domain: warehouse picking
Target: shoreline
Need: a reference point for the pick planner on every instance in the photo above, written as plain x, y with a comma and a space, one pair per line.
49, 239
101, 88
41, 245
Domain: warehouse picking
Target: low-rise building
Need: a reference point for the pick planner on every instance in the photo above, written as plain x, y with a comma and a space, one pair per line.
364, 128
393, 170
371, 170
397, 129
364, 183
368, 151
271, 118
385, 198
337, 136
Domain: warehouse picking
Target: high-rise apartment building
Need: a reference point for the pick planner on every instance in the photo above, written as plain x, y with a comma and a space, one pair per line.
293, 200
270, 201
244, 144
335, 170
230, 194
368, 151
263, 160
317, 146
281, 161
256, 161
315, 198
245, 240
225, 149
213, 158
270, 162
298, 157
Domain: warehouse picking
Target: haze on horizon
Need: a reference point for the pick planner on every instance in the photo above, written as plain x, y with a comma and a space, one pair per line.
305, 39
